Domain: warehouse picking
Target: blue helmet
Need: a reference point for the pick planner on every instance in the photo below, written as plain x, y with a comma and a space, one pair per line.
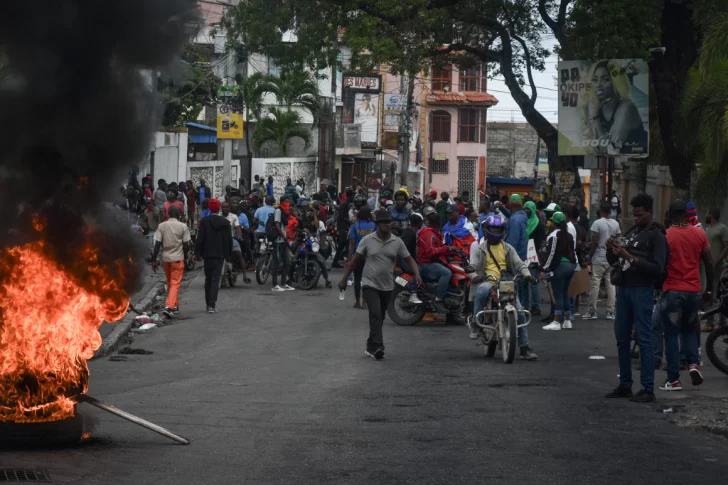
495, 228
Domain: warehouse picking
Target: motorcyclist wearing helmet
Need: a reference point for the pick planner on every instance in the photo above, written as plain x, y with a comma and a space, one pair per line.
493, 257
360, 201
400, 212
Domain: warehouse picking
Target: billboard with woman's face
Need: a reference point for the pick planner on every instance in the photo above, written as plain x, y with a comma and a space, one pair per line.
604, 108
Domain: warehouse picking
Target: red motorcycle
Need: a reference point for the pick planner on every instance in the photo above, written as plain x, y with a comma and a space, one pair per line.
403, 311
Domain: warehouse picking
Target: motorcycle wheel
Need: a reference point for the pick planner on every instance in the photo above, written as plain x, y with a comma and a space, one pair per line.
716, 346
510, 339
262, 269
308, 275
489, 348
400, 316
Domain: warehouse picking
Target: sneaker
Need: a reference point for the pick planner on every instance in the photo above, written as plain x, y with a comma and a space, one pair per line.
328, 285
620, 392
672, 386
553, 326
277, 288
376, 354
577, 314
175, 310
696, 375
528, 354
168, 311
567, 325
414, 299
349, 282
211, 310
535, 312
644, 396
288, 288
589, 316
610, 316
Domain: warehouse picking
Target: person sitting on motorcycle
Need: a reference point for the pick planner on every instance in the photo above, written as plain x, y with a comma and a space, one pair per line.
494, 257
430, 249
308, 226
400, 212
360, 201
458, 231
237, 235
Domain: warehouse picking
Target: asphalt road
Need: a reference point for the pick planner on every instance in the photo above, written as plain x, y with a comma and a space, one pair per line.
275, 389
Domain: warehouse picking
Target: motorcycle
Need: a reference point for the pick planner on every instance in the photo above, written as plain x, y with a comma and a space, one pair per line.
265, 260
498, 323
716, 345
305, 270
405, 313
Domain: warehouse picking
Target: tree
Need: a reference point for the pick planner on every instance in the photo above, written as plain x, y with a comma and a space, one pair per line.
252, 90
704, 120
297, 87
279, 127
195, 88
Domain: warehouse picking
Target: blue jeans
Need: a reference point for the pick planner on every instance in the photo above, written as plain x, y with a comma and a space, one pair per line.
560, 284
634, 308
678, 310
535, 302
482, 293
658, 336
436, 273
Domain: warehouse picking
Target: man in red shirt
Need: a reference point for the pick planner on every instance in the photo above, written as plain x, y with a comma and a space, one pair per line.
172, 201
681, 294
429, 250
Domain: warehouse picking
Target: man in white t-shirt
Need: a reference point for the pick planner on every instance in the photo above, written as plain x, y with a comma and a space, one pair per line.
237, 234
602, 230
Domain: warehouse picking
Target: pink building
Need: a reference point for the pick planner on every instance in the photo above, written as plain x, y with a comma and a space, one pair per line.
457, 103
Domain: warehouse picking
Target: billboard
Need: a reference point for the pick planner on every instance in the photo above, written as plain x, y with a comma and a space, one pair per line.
366, 113
394, 105
604, 107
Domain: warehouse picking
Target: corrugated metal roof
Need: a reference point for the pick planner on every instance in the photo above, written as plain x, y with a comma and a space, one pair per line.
201, 126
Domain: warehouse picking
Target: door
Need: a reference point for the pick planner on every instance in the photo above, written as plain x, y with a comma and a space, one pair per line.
466, 176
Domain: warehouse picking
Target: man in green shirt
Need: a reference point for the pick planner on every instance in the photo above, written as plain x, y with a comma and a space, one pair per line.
717, 233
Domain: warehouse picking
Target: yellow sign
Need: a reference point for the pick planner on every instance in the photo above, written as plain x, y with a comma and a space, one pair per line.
230, 126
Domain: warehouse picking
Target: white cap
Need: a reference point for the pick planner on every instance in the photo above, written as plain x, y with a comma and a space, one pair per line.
551, 207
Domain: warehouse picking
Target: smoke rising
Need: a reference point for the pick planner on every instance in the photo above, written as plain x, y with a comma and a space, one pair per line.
77, 111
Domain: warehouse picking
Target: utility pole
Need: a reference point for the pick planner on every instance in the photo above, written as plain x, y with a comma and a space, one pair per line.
405, 127
227, 164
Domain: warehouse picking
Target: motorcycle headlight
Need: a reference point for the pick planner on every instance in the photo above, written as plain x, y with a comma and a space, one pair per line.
507, 287
315, 247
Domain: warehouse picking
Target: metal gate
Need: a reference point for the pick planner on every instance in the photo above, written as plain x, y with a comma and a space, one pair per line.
466, 175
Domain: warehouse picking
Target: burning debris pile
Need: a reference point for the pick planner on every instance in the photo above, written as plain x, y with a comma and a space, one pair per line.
77, 109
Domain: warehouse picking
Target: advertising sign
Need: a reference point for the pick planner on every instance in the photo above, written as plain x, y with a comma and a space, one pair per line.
604, 108
230, 126
366, 108
365, 83
543, 166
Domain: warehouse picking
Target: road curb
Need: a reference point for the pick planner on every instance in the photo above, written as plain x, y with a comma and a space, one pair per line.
111, 342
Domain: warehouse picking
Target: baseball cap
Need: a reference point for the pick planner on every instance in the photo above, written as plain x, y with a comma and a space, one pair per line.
552, 207
558, 218
678, 208
433, 193
452, 208
515, 199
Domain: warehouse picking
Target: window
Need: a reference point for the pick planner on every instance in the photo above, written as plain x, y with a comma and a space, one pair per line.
472, 80
471, 125
441, 77
439, 166
273, 68
441, 127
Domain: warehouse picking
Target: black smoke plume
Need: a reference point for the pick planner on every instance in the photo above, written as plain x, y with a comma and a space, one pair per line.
78, 107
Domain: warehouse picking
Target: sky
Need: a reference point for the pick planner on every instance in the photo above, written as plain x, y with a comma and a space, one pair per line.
546, 102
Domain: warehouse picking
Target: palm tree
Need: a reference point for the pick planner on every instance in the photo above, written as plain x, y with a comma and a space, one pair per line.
704, 114
279, 127
297, 87
252, 90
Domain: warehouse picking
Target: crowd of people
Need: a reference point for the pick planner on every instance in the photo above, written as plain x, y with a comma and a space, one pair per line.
656, 275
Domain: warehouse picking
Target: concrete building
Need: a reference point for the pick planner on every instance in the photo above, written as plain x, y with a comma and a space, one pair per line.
457, 103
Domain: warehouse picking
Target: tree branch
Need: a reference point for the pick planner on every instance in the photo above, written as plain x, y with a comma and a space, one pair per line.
529, 72
558, 26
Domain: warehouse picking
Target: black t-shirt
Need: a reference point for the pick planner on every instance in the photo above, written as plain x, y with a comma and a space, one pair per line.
409, 238
343, 215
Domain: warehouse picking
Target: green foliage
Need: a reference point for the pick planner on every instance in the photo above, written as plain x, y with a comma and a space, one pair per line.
615, 29
279, 127
297, 87
704, 116
195, 87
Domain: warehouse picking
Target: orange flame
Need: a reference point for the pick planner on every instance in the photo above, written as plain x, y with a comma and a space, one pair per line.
49, 329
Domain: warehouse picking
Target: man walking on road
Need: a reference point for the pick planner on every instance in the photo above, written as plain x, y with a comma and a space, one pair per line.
214, 245
282, 252
602, 231
378, 252
174, 237
681, 293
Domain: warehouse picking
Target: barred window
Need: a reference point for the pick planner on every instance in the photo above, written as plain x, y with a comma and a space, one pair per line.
440, 166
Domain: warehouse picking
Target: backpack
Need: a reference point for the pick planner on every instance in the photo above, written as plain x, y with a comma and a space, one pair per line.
270, 228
